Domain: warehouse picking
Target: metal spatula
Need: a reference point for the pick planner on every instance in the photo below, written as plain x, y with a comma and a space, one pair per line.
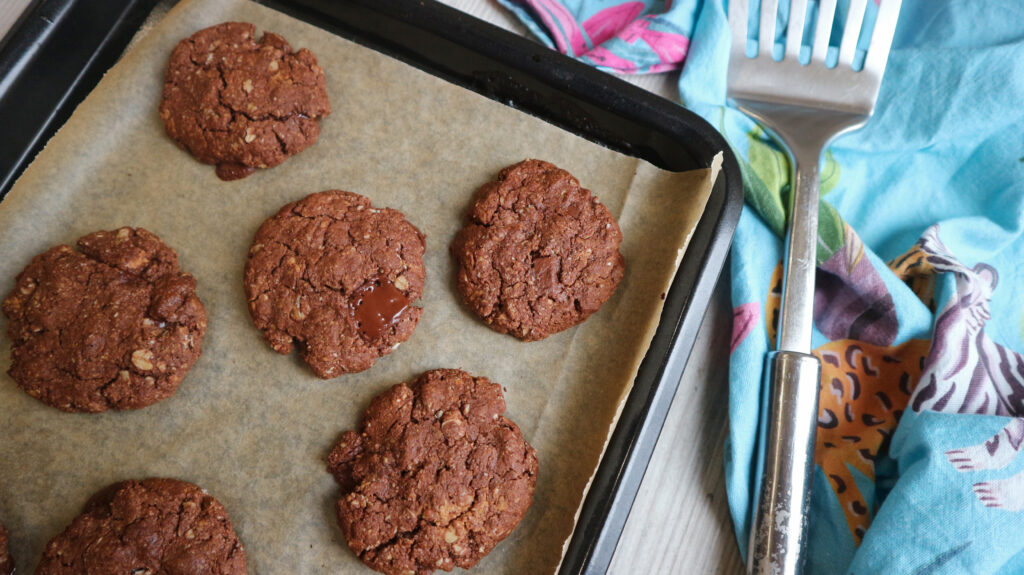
804, 106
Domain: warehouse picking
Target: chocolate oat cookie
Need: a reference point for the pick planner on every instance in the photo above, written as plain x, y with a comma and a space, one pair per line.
538, 254
337, 276
155, 526
436, 477
6, 561
240, 103
115, 325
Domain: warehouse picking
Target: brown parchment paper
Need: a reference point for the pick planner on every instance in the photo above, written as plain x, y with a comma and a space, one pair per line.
253, 427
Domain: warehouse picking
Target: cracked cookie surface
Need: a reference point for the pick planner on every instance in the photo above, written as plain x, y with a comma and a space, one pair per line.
435, 478
115, 325
239, 103
148, 527
6, 561
338, 277
538, 253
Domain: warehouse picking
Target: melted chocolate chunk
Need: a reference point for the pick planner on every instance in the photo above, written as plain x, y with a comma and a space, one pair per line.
378, 308
229, 172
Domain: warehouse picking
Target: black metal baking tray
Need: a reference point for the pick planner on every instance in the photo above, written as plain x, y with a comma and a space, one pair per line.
61, 48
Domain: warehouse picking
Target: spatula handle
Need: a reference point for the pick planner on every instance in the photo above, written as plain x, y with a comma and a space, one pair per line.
796, 318
779, 534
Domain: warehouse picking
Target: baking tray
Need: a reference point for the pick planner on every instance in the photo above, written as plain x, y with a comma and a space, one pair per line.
60, 49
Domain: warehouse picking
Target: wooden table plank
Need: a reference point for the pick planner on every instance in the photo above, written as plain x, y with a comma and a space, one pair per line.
680, 520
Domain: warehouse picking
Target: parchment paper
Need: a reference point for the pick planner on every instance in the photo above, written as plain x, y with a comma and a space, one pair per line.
253, 427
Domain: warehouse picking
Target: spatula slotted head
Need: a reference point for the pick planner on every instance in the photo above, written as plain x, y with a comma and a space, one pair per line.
810, 72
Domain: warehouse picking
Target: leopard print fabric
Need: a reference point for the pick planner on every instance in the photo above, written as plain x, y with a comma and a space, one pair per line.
865, 389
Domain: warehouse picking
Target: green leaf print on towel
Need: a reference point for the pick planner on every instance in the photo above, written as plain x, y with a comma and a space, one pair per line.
766, 179
767, 185
830, 175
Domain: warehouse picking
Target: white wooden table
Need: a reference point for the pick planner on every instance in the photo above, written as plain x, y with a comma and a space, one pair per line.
680, 521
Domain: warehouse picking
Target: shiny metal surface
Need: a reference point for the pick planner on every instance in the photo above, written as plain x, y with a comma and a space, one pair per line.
781, 514
815, 85
804, 106
804, 133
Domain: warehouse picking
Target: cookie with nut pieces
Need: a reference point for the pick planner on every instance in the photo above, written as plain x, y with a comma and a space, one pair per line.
113, 325
6, 561
436, 476
241, 103
538, 253
337, 277
148, 527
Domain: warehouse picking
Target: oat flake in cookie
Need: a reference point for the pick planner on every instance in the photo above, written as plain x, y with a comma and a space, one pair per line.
338, 277
6, 561
240, 103
115, 325
153, 527
538, 253
435, 478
